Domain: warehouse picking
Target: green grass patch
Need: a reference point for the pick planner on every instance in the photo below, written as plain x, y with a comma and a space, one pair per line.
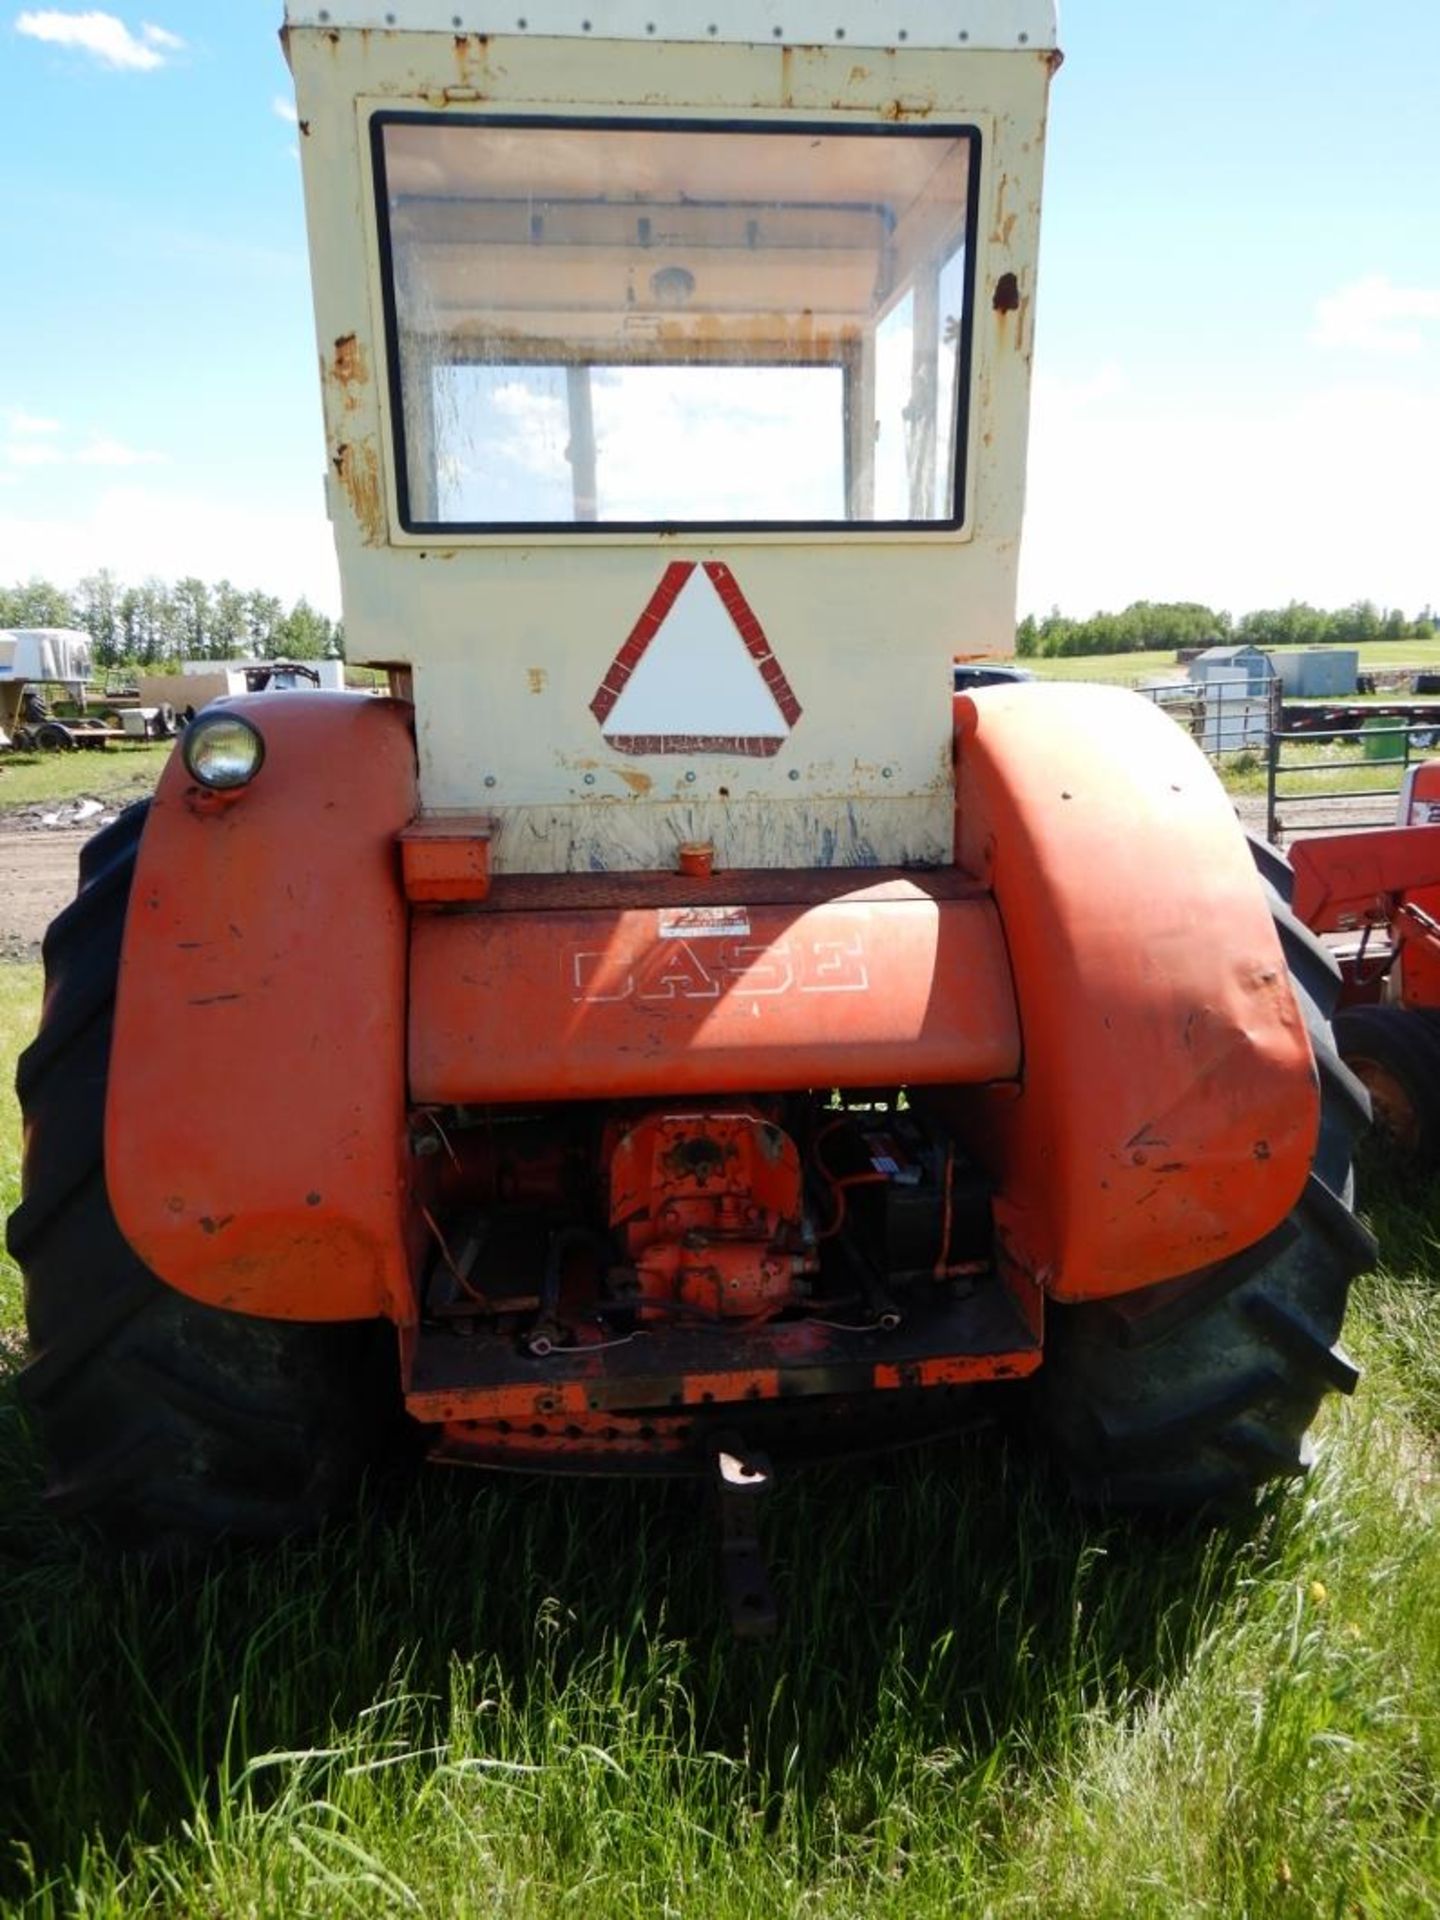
19, 1016
500, 1697
1316, 767
1111, 669
118, 773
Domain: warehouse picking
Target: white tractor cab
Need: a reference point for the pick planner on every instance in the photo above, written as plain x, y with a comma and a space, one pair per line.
31, 659
676, 371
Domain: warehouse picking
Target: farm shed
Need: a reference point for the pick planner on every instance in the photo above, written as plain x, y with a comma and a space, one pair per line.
1251, 665
1234, 683
1315, 673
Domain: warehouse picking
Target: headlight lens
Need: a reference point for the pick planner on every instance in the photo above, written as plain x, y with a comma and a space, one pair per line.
222, 750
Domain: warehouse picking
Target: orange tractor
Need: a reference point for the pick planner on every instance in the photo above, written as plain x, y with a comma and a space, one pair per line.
672, 1029
1376, 895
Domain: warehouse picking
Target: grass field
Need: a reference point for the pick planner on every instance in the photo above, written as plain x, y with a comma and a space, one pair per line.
505, 1698
1127, 669
120, 773
1113, 669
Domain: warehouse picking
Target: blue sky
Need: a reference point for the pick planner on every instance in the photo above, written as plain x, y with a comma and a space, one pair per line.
1237, 391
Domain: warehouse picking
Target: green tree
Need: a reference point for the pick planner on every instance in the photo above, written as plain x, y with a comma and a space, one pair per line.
97, 608
263, 614
304, 634
190, 604
229, 625
36, 604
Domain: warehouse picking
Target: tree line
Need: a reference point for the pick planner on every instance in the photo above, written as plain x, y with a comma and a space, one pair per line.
190, 620
184, 620
1149, 625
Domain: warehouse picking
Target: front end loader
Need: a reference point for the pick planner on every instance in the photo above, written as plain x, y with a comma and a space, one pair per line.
1374, 895
671, 1031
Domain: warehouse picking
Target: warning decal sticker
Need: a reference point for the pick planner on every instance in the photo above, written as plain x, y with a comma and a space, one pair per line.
696, 673
703, 923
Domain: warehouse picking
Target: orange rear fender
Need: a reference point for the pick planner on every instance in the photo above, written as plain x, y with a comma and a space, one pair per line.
255, 1123
1169, 1107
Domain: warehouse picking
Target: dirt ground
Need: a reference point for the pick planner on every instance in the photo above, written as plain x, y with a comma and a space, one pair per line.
37, 878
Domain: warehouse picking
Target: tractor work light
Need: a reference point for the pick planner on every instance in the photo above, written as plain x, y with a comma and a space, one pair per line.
223, 751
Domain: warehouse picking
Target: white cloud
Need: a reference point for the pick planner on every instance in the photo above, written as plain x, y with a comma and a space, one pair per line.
284, 109
33, 453
99, 451
1331, 495
1075, 397
1375, 316
104, 452
19, 421
136, 529
103, 35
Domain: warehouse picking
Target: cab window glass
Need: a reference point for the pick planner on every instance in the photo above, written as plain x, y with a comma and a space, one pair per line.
629, 326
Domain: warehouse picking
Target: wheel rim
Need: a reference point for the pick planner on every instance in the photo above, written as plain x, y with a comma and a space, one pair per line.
1396, 1116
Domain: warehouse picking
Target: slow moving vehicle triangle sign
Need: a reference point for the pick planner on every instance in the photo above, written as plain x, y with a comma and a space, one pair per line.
696, 673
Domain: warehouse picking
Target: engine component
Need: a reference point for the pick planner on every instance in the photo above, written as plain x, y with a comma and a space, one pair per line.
709, 1209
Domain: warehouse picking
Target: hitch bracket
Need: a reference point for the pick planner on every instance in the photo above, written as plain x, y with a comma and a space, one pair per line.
741, 1478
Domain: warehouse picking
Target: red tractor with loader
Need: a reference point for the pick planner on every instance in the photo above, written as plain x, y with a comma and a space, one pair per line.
674, 1032
1374, 894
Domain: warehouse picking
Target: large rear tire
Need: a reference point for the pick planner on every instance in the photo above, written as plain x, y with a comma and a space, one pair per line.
168, 1423
1205, 1387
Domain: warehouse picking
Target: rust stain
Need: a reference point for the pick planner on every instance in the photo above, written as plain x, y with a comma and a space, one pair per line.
907, 109
349, 369
1054, 60
470, 49
537, 678
638, 783
1007, 294
358, 470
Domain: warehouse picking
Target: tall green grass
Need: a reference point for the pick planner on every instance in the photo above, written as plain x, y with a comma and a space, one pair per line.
19, 1014
505, 1697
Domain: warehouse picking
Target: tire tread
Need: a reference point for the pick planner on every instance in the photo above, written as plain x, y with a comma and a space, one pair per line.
166, 1422
1204, 1388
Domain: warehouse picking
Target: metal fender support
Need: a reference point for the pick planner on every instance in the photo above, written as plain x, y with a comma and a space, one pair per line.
1169, 1107
254, 1132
